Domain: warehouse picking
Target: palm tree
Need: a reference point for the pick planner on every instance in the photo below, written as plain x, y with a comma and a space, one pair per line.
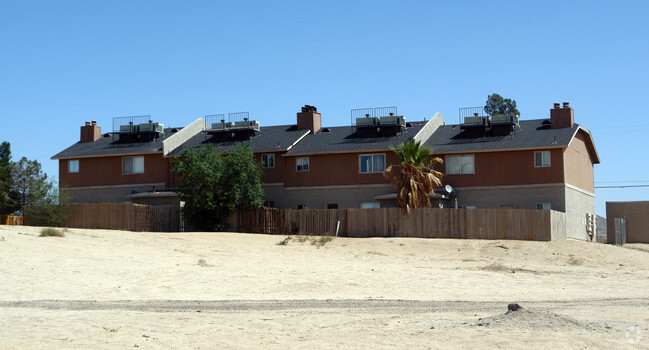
415, 178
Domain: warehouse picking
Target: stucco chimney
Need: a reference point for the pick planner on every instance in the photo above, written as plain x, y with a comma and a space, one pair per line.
90, 132
309, 119
562, 117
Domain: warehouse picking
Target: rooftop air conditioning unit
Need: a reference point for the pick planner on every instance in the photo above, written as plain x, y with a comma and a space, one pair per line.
476, 121
392, 120
151, 127
127, 128
504, 119
221, 126
367, 121
250, 124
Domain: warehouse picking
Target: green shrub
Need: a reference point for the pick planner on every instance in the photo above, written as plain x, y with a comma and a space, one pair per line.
322, 240
51, 232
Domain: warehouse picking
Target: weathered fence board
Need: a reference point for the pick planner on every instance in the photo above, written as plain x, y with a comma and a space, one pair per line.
520, 224
11, 220
119, 216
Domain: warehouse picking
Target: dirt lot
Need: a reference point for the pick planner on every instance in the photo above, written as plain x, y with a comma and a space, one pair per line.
114, 289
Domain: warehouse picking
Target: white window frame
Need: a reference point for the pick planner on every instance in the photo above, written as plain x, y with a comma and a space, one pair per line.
268, 160
136, 163
373, 167
73, 166
461, 157
301, 167
543, 159
543, 206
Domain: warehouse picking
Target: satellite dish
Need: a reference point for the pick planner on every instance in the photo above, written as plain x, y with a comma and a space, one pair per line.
448, 189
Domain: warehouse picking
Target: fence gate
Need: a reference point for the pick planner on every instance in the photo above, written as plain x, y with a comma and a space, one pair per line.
263, 220
620, 230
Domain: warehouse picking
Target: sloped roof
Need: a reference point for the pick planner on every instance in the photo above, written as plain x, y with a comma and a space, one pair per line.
345, 139
269, 139
108, 145
531, 134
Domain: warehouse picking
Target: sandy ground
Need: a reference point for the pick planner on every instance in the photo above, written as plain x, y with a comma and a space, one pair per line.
103, 289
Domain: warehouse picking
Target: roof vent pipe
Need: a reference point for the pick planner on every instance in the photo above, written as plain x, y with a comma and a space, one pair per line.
566, 105
556, 105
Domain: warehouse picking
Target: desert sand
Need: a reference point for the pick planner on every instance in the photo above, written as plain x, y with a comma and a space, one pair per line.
101, 289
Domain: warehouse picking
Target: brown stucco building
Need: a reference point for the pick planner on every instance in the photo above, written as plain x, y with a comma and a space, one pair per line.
635, 216
491, 162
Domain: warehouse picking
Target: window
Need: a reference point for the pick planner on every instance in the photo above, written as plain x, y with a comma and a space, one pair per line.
267, 160
369, 205
543, 206
456, 165
542, 159
302, 206
302, 164
332, 206
133, 165
73, 166
269, 204
372, 163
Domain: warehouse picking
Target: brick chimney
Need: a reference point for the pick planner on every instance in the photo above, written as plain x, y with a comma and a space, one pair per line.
309, 118
562, 117
90, 132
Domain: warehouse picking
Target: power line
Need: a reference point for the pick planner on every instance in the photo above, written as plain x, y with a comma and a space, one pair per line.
622, 186
621, 182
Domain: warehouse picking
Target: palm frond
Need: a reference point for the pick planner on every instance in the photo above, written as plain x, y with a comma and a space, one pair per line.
416, 177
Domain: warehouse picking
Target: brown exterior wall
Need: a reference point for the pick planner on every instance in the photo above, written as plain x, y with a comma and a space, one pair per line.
507, 168
276, 174
105, 171
637, 220
334, 170
579, 165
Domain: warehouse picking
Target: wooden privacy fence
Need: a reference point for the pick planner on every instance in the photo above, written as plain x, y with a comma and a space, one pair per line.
521, 224
11, 220
287, 221
131, 217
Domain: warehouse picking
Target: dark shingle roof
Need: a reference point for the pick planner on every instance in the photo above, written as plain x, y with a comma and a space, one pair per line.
270, 138
108, 144
344, 139
531, 134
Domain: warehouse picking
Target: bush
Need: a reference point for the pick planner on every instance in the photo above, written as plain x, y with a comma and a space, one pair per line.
216, 183
51, 232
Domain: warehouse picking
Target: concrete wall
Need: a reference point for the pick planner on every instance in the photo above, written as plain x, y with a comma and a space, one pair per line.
318, 197
512, 197
578, 204
176, 140
108, 194
637, 220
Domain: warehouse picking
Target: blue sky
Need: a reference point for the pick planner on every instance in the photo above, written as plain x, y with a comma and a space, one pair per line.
67, 62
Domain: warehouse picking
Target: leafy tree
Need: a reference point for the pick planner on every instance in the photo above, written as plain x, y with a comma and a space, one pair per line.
38, 194
30, 181
496, 104
8, 196
415, 178
215, 184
